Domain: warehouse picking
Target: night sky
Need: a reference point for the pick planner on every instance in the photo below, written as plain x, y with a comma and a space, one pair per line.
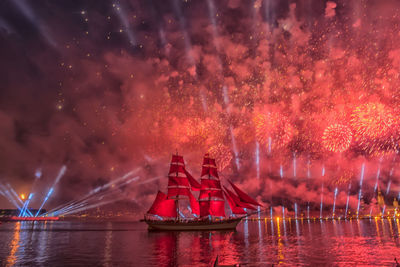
307, 90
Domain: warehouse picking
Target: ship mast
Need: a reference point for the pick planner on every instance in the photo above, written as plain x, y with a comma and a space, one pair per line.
211, 198
177, 196
180, 183
209, 195
177, 208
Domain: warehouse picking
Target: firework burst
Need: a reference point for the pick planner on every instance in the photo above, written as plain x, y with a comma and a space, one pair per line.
197, 130
341, 178
273, 129
337, 138
222, 155
375, 127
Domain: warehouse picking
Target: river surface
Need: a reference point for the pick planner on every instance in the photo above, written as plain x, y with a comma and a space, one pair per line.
255, 243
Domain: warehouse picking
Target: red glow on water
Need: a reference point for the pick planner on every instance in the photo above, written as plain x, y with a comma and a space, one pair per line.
202, 248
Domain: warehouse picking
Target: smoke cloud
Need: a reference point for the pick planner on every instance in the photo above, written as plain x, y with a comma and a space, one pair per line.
282, 75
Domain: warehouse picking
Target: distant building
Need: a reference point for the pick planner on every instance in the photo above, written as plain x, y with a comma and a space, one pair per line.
15, 212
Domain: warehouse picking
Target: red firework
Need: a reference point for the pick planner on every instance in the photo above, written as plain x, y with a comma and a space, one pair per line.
196, 128
273, 129
222, 155
374, 126
337, 138
342, 177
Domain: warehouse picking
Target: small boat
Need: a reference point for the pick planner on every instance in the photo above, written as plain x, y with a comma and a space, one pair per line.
208, 209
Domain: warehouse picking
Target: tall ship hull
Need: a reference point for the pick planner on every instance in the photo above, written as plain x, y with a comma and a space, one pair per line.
197, 225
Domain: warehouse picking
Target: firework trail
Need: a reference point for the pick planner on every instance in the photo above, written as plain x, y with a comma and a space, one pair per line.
334, 203
347, 201
360, 192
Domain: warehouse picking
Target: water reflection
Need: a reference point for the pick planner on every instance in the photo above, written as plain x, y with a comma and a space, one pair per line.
43, 240
255, 243
280, 245
12, 259
165, 248
246, 233
108, 246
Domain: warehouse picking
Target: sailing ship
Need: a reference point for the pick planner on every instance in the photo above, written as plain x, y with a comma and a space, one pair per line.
208, 209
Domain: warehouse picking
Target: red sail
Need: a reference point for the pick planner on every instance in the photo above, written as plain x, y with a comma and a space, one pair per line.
211, 198
237, 201
217, 208
243, 196
162, 206
178, 183
208, 195
177, 158
195, 186
213, 208
208, 184
204, 208
194, 205
234, 207
177, 192
209, 170
174, 168
175, 181
209, 167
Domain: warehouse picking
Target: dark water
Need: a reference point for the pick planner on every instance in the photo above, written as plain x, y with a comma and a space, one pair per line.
255, 243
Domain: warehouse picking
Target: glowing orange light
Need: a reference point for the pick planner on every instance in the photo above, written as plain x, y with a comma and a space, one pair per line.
22, 196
